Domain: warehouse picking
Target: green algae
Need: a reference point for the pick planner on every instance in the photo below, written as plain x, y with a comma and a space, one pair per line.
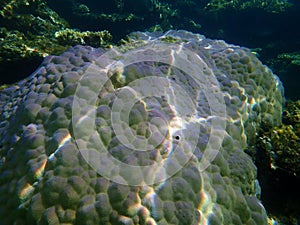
292, 57
270, 6
31, 30
282, 144
73, 37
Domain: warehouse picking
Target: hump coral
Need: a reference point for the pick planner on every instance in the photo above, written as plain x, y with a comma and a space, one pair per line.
151, 132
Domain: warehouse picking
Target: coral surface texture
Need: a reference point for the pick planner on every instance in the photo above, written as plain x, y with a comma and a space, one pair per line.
153, 131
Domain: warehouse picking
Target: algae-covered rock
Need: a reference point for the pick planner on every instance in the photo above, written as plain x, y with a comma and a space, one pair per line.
73, 37
282, 144
27, 35
271, 6
293, 58
278, 159
27, 30
119, 17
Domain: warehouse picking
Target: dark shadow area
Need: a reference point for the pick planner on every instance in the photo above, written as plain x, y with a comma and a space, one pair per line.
12, 72
280, 195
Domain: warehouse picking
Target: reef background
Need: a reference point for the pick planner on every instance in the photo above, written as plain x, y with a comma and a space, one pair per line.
33, 29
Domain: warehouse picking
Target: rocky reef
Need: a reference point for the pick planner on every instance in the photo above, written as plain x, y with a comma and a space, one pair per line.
285, 140
30, 30
28, 27
278, 159
282, 143
272, 6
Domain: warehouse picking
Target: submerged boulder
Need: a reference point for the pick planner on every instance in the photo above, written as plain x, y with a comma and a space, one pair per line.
151, 132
